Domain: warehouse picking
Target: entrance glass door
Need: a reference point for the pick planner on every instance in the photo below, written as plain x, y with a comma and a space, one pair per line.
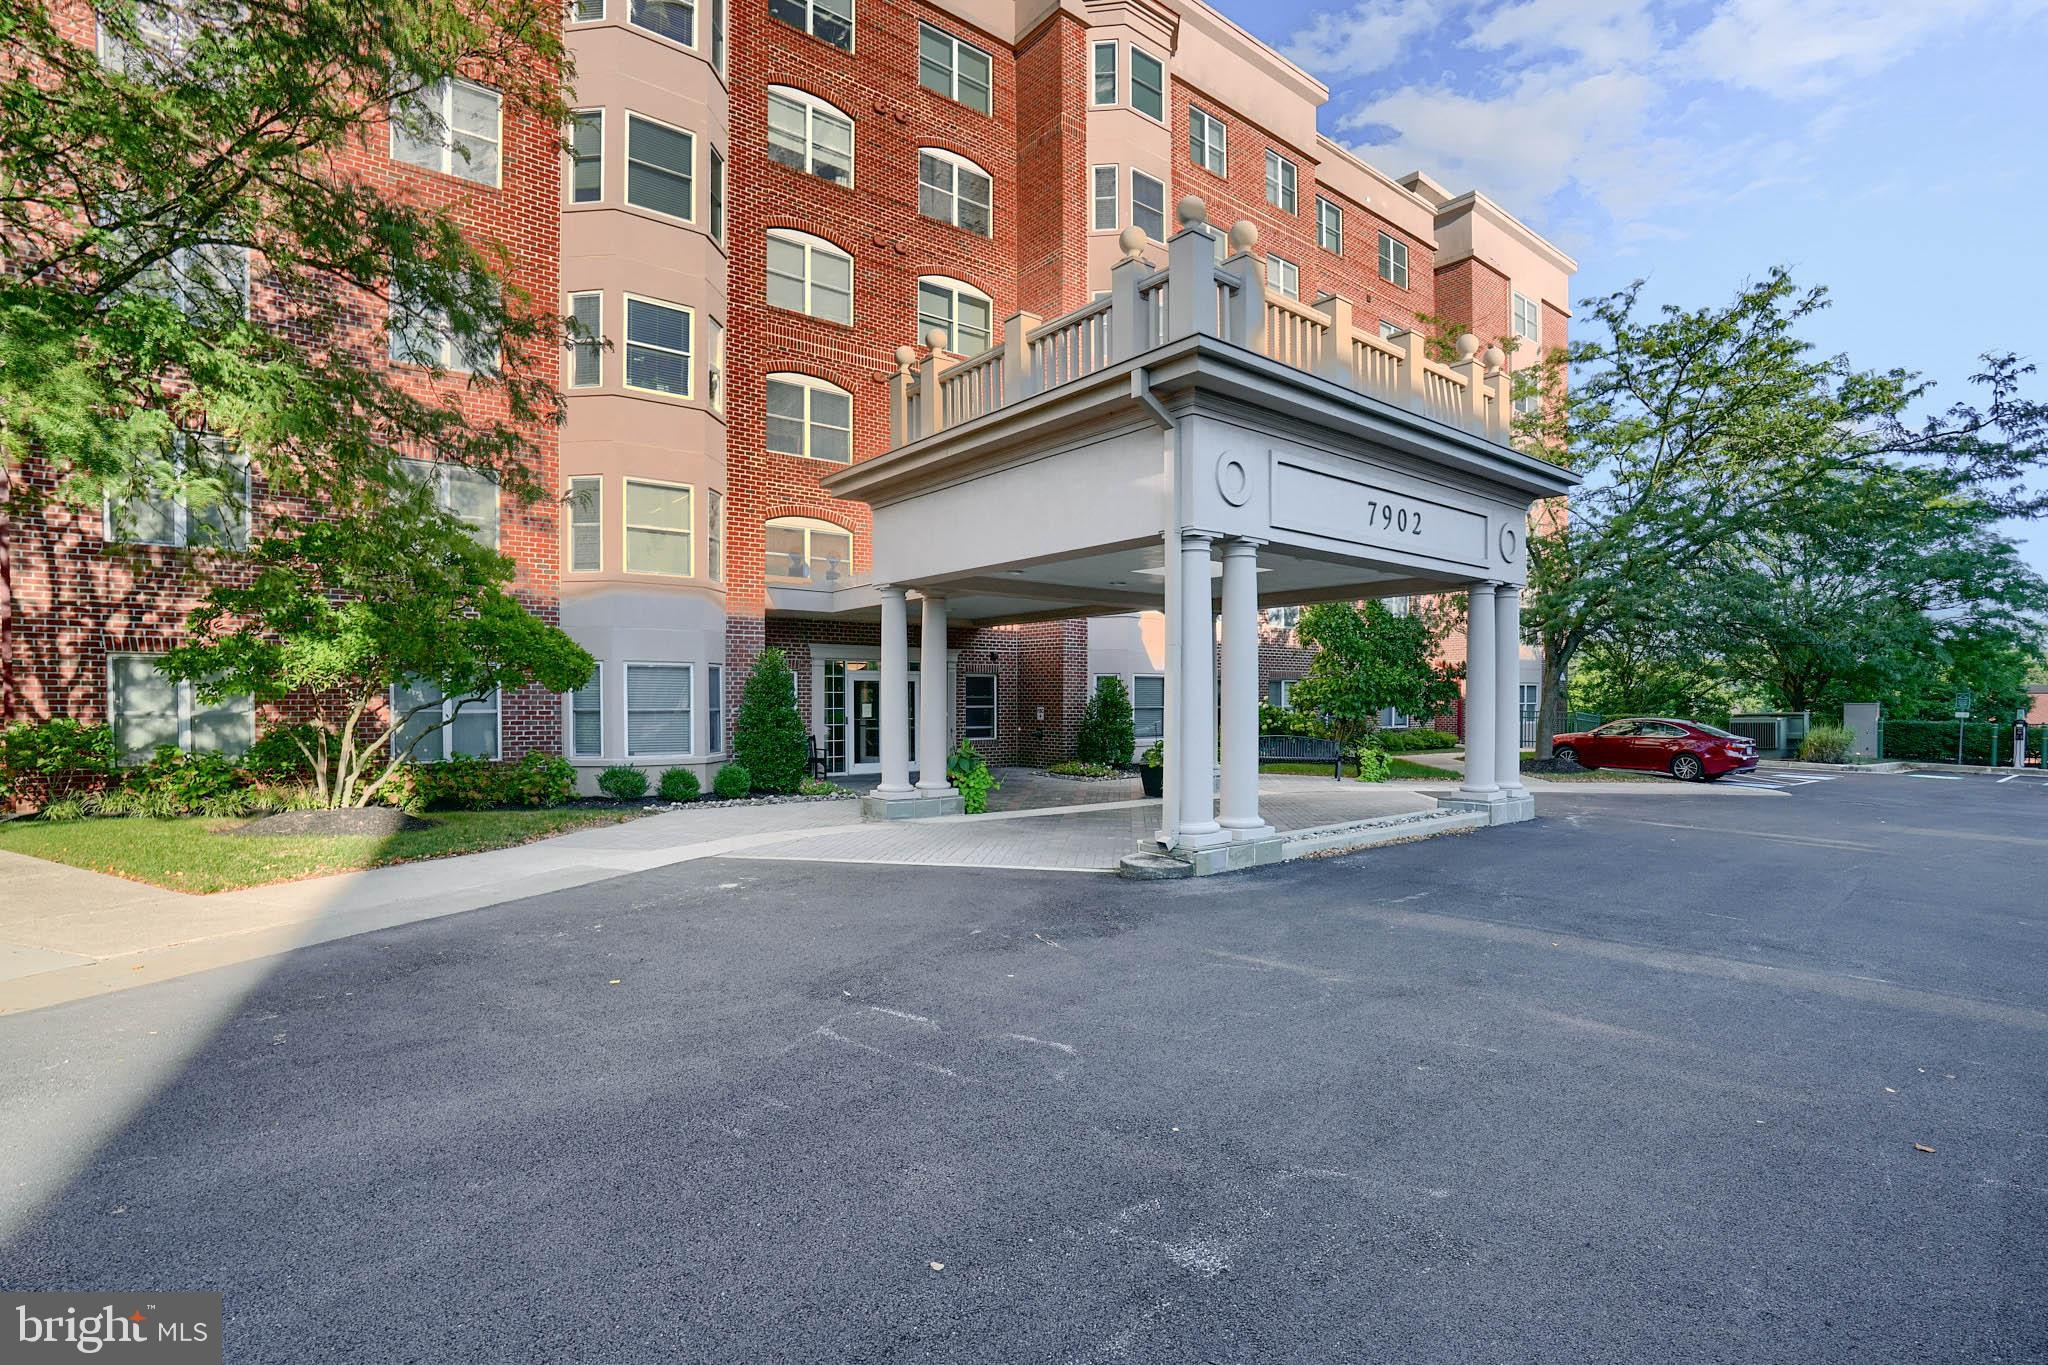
864, 691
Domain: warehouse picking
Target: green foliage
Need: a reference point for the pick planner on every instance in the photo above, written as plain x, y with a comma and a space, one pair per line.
538, 779
768, 736
678, 784
622, 782
1108, 732
1826, 743
280, 752
733, 782
1366, 659
180, 782
59, 752
1154, 755
1076, 768
348, 608
458, 783
1934, 741
1417, 740
969, 774
1289, 720
1373, 764
468, 783
818, 786
117, 336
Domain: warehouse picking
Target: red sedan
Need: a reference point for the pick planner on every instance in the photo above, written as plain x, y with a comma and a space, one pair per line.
1689, 751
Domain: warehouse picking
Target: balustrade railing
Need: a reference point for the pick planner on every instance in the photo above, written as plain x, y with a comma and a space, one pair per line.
1149, 306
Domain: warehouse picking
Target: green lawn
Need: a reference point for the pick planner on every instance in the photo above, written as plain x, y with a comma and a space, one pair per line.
1404, 768
193, 855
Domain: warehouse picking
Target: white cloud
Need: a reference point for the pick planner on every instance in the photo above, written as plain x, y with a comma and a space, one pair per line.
1603, 32
1370, 37
1802, 48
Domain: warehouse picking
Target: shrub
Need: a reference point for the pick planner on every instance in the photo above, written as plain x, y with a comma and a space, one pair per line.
1373, 764
1155, 756
768, 737
59, 752
1107, 732
174, 783
733, 782
65, 809
818, 786
1282, 720
969, 774
1827, 743
276, 755
539, 778
459, 783
1420, 740
622, 782
679, 784
1078, 769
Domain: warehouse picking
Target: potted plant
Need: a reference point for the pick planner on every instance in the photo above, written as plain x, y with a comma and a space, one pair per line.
1152, 770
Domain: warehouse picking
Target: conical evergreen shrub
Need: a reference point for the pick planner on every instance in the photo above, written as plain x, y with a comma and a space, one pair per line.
768, 736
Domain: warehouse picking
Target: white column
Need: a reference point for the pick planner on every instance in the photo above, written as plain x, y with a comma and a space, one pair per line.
1507, 603
1482, 703
1195, 773
934, 701
1241, 691
895, 696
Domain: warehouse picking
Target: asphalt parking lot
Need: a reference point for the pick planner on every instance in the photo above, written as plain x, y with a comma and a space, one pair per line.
1648, 1079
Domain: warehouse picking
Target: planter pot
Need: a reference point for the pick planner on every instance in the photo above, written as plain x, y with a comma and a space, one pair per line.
1154, 780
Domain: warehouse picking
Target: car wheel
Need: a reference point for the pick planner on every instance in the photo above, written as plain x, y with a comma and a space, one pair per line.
1688, 768
1565, 756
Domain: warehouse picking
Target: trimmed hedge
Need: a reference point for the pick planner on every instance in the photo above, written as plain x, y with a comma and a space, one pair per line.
1934, 741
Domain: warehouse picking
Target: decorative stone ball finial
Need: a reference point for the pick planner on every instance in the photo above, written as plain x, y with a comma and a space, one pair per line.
936, 338
1495, 358
1468, 346
1191, 210
1244, 235
1132, 240
906, 356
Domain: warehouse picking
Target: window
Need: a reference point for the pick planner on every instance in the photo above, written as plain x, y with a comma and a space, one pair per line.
450, 127
675, 19
831, 20
423, 334
657, 709
1388, 331
1284, 275
1329, 226
586, 349
714, 372
660, 164
714, 705
149, 709
718, 35
1103, 218
1148, 205
586, 717
978, 706
658, 346
1148, 705
658, 525
164, 37
147, 518
810, 418
817, 554
587, 11
1279, 692
959, 71
1105, 75
586, 156
954, 190
1391, 718
1280, 182
810, 135
809, 275
1206, 141
1528, 403
200, 280
468, 495
1528, 318
433, 727
714, 533
1393, 261
586, 525
717, 196
1283, 618
1148, 84
961, 311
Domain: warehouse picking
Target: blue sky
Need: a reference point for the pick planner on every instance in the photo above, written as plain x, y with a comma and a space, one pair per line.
1893, 150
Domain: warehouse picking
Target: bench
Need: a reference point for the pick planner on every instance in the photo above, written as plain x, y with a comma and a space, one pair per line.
1302, 749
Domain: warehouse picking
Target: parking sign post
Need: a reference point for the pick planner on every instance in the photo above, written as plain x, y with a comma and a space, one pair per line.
1962, 716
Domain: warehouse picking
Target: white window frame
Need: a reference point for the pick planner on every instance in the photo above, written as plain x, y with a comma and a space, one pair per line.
596, 685
1132, 89
497, 695
627, 526
1142, 736
627, 345
626, 171
452, 355
809, 526
953, 67
958, 289
1136, 176
810, 384
578, 15
810, 26
1206, 132
1393, 260
1095, 199
444, 475
815, 107
714, 371
714, 710
958, 163
714, 191
714, 534
188, 703
594, 344
812, 245
1283, 179
1388, 331
569, 196
1095, 74
1286, 686
1283, 275
995, 706
1527, 317
696, 28
569, 523
1329, 225
442, 96
181, 513
689, 703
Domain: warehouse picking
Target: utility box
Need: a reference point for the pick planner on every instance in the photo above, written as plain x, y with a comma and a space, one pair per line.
1863, 719
1777, 734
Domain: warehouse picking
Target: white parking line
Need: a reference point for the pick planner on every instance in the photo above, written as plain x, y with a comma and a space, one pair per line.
1937, 777
2009, 777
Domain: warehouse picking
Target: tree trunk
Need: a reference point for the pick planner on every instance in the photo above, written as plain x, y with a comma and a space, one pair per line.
1550, 706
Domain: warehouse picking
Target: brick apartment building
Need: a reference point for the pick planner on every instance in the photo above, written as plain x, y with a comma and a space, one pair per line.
761, 204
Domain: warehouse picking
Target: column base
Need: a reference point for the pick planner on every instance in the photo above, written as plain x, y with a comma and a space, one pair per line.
1189, 839
1249, 831
1500, 809
910, 805
939, 789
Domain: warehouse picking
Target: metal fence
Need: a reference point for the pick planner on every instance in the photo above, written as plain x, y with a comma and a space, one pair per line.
1987, 744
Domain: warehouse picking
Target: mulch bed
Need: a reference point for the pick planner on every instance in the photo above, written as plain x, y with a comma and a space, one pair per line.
378, 821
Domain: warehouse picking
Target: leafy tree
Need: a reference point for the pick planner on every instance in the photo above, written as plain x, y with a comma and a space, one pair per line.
345, 609
1108, 732
1366, 659
1693, 426
768, 737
